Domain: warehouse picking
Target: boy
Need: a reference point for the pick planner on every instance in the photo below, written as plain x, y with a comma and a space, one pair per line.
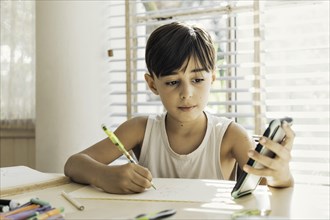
185, 141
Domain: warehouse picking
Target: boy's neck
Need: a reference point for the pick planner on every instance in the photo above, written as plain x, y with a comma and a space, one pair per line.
186, 137
186, 128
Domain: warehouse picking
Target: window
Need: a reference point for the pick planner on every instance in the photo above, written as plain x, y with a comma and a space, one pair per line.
17, 75
273, 61
296, 58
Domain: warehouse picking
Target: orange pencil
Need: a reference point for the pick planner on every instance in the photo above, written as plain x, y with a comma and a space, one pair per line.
22, 209
49, 213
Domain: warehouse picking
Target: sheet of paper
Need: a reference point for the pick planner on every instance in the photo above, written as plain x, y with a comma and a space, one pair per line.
19, 179
185, 190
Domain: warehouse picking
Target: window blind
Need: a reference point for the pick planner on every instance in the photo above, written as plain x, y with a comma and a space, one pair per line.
296, 51
273, 61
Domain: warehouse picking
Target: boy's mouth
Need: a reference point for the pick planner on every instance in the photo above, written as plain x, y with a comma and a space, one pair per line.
186, 108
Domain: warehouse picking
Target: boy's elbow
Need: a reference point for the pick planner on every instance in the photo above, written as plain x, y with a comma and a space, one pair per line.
68, 166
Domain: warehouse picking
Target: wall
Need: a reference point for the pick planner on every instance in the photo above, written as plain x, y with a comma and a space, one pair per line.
17, 147
71, 61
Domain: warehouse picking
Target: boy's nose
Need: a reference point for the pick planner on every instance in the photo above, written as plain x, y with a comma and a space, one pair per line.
186, 92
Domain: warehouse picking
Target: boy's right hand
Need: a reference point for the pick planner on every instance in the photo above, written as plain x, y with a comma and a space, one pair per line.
124, 179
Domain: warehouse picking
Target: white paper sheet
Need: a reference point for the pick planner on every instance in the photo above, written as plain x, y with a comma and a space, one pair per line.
185, 190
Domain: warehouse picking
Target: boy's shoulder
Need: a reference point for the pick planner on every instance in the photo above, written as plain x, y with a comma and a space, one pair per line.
140, 122
236, 128
233, 131
137, 121
216, 119
232, 125
236, 134
133, 127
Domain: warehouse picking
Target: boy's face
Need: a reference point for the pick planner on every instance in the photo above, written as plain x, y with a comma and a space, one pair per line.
185, 92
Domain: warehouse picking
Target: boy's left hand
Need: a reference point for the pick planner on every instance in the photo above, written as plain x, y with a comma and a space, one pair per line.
277, 169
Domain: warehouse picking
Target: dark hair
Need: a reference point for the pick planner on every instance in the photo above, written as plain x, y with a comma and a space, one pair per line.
170, 45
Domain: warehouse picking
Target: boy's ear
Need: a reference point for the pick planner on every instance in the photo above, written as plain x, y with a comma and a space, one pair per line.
213, 77
151, 83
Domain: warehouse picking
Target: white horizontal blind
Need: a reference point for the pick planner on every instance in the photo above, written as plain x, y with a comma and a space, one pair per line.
254, 80
296, 57
115, 79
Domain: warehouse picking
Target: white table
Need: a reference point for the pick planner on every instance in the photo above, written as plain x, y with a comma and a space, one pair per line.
299, 202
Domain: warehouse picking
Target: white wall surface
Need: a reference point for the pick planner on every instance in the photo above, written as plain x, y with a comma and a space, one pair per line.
71, 60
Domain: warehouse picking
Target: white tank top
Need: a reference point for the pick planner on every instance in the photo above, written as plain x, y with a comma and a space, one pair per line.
202, 163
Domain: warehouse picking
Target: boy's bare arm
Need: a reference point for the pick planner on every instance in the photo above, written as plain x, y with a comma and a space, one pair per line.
91, 165
235, 146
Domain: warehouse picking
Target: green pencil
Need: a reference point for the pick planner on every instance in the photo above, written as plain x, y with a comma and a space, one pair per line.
120, 146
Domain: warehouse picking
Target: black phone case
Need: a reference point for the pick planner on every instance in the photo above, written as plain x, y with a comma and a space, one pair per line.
247, 183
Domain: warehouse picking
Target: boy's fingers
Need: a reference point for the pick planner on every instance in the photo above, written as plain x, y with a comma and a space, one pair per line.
258, 172
144, 172
142, 176
264, 160
136, 186
289, 136
278, 149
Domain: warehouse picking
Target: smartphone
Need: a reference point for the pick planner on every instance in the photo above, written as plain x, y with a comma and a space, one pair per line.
247, 183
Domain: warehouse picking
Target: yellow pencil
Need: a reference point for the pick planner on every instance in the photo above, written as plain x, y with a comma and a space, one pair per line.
120, 146
73, 201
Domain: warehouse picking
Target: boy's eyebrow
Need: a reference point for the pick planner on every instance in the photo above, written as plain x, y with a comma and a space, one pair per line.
198, 70
193, 71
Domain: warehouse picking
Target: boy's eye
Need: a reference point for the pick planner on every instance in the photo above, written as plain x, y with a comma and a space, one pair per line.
172, 83
198, 80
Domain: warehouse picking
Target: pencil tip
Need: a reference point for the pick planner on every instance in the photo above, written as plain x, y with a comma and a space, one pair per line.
104, 128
